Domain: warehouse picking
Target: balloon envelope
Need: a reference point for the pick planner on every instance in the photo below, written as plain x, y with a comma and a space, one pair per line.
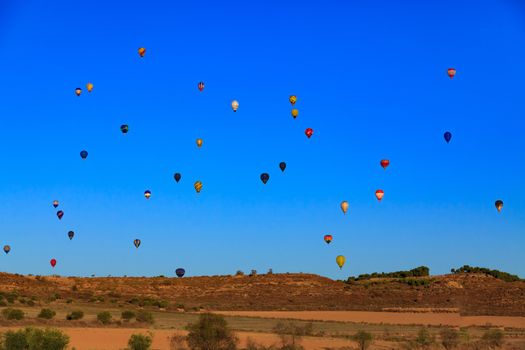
142, 51
60, 213
293, 99
136, 242
199, 143
198, 186
282, 166
451, 72
53, 262
265, 177
124, 128
71, 234
380, 194
344, 206
448, 136
201, 86
499, 205
89, 87
309, 132
55, 203
235, 105
180, 272
7, 249
295, 113
78, 91
177, 177
147, 194
340, 260
384, 163
83, 154
328, 239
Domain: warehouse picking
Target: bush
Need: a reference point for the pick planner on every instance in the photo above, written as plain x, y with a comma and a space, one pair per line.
239, 273
211, 332
364, 339
140, 342
75, 315
144, 316
13, 314
424, 339
493, 338
127, 315
104, 317
47, 314
33, 338
449, 338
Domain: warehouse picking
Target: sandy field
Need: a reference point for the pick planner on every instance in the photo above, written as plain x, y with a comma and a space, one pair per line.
435, 319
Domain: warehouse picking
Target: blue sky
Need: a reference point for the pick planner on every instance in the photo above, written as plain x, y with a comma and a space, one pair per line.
371, 81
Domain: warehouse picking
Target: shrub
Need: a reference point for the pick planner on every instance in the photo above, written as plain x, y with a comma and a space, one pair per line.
13, 314
364, 339
144, 316
253, 273
424, 339
449, 338
75, 315
211, 332
270, 272
47, 314
140, 342
493, 338
10, 299
239, 273
127, 315
34, 338
104, 317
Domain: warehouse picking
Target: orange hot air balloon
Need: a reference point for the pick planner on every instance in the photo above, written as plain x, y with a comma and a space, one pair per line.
293, 99
142, 51
78, 91
198, 186
199, 143
344, 206
380, 194
89, 87
328, 239
295, 113
451, 72
384, 163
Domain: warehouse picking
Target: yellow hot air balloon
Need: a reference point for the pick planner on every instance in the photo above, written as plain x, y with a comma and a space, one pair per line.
142, 51
198, 186
89, 87
344, 206
199, 143
340, 260
235, 105
293, 99
295, 113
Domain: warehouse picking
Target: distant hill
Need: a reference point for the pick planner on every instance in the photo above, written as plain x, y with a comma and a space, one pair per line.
470, 293
504, 276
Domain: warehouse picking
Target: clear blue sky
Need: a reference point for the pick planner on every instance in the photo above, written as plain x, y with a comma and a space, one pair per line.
371, 80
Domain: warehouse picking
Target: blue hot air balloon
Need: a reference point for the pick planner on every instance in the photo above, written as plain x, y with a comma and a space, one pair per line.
84, 154
447, 135
180, 272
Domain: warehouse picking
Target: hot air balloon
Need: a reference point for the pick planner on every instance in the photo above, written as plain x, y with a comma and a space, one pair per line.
344, 206
136, 242
78, 91
180, 272
295, 113
60, 213
282, 166
380, 194
293, 99
177, 177
384, 163
448, 136
83, 154
499, 205
147, 194
340, 260
198, 186
71, 234
265, 177
53, 262
201, 86
7, 249
55, 203
142, 51
124, 128
199, 143
309, 132
89, 87
328, 239
235, 105
451, 72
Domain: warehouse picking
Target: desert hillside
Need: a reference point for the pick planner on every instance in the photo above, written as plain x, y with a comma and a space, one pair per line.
470, 294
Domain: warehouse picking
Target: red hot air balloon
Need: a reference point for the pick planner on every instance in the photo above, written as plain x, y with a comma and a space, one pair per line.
385, 163
309, 132
380, 194
60, 213
328, 239
451, 72
53, 262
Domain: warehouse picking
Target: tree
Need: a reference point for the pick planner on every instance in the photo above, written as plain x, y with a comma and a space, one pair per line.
104, 317
35, 339
291, 334
364, 339
140, 342
449, 338
47, 314
211, 332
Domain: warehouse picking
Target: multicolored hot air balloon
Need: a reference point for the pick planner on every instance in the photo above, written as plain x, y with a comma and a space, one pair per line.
78, 91
282, 166
384, 163
451, 72
198, 186
147, 194
448, 136
55, 203
89, 87
136, 242
340, 260
344, 206
328, 239
201, 86
235, 105
60, 214
309, 132
380, 194
71, 234
499, 205
124, 128
265, 177
180, 272
142, 51
83, 154
293, 99
177, 177
7, 249
295, 113
53, 262
199, 143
